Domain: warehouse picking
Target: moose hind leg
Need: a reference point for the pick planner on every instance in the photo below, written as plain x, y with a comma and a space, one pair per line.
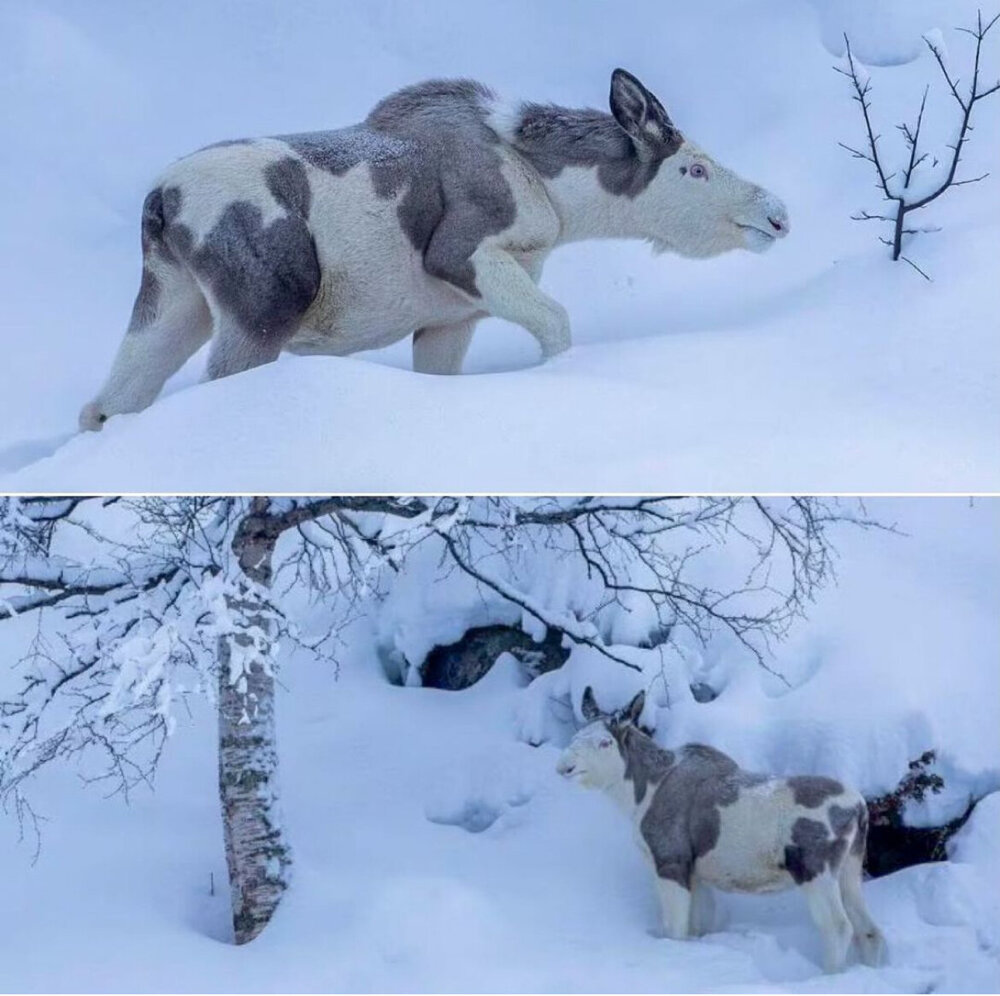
236, 348
871, 943
170, 321
675, 908
441, 349
827, 910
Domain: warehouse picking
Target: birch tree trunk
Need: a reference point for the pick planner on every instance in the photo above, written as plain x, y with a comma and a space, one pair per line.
258, 859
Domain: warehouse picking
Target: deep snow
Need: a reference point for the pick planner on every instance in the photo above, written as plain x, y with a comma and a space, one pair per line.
436, 850
818, 366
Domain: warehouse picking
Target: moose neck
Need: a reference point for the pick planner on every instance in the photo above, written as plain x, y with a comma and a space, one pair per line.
588, 211
646, 764
589, 166
621, 793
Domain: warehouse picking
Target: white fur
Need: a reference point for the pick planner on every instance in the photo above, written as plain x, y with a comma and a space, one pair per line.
827, 910
440, 349
209, 178
675, 909
504, 116
676, 212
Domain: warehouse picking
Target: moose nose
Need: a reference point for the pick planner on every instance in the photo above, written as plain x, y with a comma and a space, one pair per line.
777, 217
565, 767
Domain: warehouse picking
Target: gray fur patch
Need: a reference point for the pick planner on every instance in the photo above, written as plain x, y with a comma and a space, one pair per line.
431, 143
144, 310
265, 277
682, 822
342, 149
439, 103
289, 185
552, 137
171, 204
161, 232
176, 240
812, 791
860, 842
841, 819
456, 194
152, 220
645, 762
813, 849
226, 142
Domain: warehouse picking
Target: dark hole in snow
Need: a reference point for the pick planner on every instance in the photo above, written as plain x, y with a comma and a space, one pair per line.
461, 664
703, 692
894, 846
891, 843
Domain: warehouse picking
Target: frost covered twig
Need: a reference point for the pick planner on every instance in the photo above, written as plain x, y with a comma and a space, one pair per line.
646, 552
905, 194
564, 623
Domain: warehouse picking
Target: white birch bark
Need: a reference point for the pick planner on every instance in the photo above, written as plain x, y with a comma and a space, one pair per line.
257, 855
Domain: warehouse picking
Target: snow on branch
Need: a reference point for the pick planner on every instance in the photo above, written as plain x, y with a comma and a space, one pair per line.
647, 551
910, 188
124, 635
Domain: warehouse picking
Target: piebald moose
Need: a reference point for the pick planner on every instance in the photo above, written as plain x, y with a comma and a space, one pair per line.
704, 822
438, 209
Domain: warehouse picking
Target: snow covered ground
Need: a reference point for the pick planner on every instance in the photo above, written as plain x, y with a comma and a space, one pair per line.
437, 851
818, 366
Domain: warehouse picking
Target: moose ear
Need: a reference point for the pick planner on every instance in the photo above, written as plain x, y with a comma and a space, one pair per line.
634, 709
642, 117
588, 706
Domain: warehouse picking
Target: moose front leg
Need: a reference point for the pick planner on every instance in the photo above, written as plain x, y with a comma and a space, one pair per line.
509, 292
675, 908
702, 908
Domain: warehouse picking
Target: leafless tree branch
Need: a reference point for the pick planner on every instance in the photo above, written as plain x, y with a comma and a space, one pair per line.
904, 202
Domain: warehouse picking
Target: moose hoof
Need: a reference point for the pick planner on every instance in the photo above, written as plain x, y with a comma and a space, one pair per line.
92, 419
553, 347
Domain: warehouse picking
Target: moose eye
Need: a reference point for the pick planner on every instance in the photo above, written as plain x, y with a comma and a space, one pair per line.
698, 171
604, 743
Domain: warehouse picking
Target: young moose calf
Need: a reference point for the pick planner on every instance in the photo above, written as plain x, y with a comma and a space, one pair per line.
702, 821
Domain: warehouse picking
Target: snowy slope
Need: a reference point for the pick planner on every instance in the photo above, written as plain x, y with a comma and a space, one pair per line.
401, 885
820, 365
